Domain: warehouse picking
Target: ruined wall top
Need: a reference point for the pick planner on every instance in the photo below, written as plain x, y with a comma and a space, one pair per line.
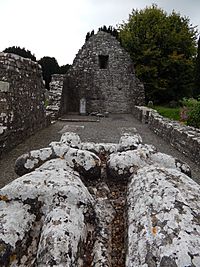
16, 63
55, 95
22, 110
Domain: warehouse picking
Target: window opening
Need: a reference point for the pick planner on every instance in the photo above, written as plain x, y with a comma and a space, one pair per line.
103, 62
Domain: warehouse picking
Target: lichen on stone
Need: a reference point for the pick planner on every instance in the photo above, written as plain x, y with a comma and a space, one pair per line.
163, 218
63, 211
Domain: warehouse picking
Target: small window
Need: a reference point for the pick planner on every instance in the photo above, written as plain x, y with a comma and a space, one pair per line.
103, 62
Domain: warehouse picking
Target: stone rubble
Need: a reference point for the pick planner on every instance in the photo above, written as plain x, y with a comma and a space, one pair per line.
59, 214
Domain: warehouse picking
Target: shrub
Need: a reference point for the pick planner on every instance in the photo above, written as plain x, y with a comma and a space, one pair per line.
188, 102
194, 115
191, 112
171, 113
184, 114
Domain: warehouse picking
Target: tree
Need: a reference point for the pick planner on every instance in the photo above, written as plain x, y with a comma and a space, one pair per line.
110, 29
64, 68
162, 47
49, 66
20, 51
88, 35
197, 72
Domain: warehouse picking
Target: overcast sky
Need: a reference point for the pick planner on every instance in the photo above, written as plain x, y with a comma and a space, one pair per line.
57, 28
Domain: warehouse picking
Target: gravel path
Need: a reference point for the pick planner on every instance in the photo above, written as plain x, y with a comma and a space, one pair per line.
107, 130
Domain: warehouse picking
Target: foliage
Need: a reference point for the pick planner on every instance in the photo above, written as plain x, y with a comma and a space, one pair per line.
184, 114
88, 35
49, 66
194, 116
46, 103
162, 47
109, 29
193, 111
20, 51
189, 113
171, 113
64, 69
188, 102
197, 72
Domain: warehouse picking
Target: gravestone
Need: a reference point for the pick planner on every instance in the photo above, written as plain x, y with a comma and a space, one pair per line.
4, 86
83, 106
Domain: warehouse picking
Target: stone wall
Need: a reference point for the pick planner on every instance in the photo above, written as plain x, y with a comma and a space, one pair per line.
22, 110
184, 138
103, 74
55, 95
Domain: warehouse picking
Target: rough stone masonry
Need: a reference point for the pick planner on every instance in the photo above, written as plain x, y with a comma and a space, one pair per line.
184, 138
22, 110
65, 210
103, 76
55, 96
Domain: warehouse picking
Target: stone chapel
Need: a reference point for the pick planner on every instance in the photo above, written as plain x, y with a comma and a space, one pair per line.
102, 77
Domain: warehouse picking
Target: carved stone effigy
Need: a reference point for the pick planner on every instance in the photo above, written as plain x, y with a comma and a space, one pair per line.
61, 211
124, 164
163, 219
45, 217
87, 163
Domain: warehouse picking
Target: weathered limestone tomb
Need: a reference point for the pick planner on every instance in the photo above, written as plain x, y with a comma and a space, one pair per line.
102, 79
113, 205
22, 109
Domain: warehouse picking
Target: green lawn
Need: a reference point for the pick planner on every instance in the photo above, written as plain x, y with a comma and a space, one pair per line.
171, 113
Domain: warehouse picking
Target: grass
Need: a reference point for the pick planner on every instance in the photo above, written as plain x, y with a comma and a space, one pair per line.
171, 113
46, 103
